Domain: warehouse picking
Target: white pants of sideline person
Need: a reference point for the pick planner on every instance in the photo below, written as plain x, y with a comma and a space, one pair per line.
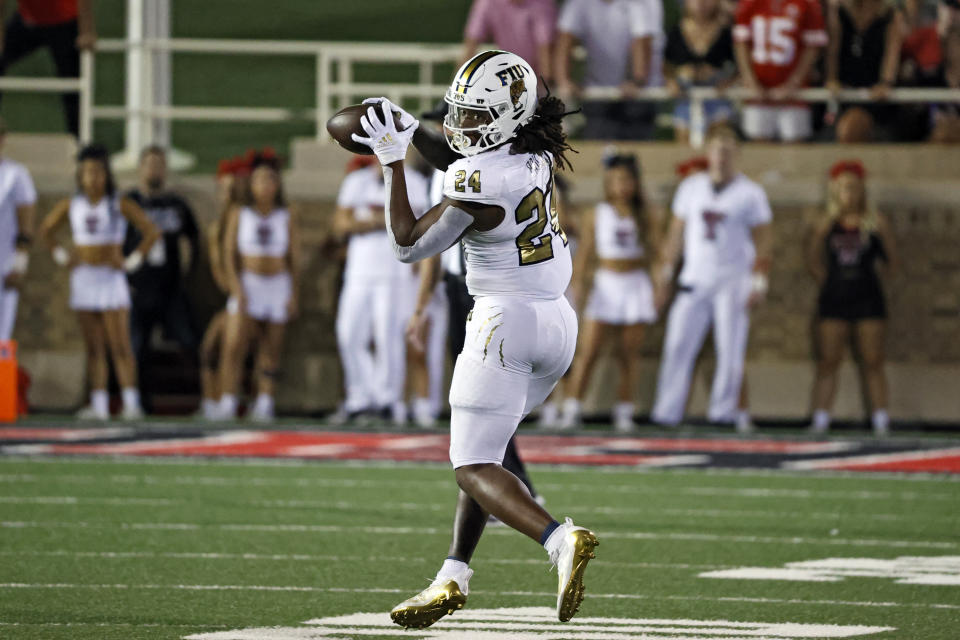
724, 305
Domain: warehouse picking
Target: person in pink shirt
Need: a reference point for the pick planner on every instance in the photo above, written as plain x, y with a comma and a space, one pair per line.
523, 27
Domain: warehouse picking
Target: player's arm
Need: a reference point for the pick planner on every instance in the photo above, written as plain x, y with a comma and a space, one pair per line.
813, 251
149, 232
434, 148
438, 229
741, 51
415, 239
53, 221
742, 43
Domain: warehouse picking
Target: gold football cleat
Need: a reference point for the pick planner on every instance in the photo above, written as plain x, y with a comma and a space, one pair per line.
571, 561
439, 599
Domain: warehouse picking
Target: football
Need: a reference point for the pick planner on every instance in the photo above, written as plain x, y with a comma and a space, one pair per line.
347, 121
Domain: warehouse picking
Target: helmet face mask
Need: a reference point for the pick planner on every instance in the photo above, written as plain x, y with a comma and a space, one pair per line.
493, 94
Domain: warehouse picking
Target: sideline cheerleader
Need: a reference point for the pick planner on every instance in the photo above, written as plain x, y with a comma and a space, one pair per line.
261, 265
99, 294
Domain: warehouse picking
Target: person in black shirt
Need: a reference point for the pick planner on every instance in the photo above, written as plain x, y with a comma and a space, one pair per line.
843, 253
155, 288
699, 53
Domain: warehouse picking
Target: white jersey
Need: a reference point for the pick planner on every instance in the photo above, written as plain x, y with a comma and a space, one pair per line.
370, 255
260, 235
527, 253
616, 237
97, 224
16, 190
717, 240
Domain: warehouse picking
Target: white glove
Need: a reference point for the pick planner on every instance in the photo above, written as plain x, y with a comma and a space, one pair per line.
406, 120
387, 143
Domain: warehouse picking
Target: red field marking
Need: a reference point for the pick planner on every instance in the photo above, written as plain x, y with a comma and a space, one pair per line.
929, 461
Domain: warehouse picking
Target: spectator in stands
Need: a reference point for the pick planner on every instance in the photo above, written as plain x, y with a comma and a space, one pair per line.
156, 293
945, 118
18, 199
98, 218
621, 240
624, 42
777, 43
864, 53
64, 27
699, 53
842, 255
233, 181
261, 263
524, 27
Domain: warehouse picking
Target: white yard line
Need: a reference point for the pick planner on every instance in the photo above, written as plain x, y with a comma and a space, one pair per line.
443, 507
78, 500
637, 487
191, 461
610, 535
531, 594
299, 557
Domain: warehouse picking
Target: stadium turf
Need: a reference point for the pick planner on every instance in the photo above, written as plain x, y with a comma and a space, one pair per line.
128, 549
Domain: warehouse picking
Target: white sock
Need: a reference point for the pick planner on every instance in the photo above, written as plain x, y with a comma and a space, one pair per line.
100, 401
264, 403
422, 407
228, 405
131, 398
880, 420
571, 407
451, 568
555, 540
743, 417
821, 419
549, 412
623, 410
209, 407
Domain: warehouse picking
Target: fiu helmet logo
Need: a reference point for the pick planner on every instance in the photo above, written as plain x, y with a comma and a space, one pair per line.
516, 72
516, 91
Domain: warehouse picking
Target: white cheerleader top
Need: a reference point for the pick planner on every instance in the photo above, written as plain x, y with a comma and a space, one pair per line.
617, 237
97, 224
263, 235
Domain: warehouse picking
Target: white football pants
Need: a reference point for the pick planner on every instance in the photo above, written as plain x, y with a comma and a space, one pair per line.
8, 311
725, 306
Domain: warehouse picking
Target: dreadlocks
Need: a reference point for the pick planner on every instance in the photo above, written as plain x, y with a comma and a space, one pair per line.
544, 132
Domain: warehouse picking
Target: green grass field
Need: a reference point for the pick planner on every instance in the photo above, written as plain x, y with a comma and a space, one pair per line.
123, 550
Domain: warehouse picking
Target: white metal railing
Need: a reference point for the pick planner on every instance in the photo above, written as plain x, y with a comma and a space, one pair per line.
336, 88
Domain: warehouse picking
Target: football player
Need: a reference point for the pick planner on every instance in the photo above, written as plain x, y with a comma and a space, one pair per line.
505, 146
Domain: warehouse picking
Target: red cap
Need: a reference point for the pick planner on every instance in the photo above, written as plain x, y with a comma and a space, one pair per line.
691, 166
360, 162
848, 166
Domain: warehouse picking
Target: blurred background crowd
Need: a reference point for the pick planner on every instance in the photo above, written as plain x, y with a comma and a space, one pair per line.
182, 288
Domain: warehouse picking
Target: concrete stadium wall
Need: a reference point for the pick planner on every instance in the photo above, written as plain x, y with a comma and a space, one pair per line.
916, 186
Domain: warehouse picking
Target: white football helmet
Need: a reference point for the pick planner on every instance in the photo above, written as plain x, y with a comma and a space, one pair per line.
492, 95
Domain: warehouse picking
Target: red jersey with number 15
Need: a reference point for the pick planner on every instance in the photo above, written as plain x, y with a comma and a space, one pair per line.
778, 32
